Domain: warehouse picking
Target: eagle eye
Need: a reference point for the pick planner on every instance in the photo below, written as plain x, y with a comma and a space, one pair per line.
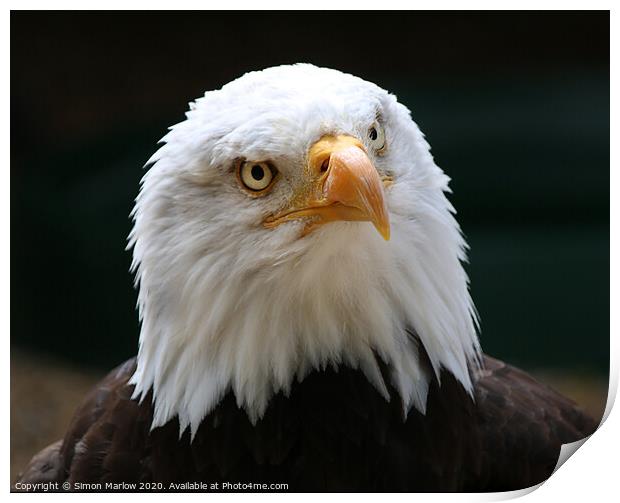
256, 177
376, 136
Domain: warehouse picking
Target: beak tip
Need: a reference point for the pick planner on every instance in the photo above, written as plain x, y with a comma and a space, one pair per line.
384, 231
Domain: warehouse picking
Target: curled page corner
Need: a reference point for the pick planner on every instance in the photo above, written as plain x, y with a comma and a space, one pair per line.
508, 495
567, 450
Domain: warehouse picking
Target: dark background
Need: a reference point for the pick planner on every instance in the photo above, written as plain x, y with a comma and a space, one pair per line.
515, 105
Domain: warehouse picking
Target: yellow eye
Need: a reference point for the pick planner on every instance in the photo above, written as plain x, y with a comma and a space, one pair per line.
256, 176
376, 136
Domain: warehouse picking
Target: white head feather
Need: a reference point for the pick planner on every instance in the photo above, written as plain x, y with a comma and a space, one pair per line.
228, 305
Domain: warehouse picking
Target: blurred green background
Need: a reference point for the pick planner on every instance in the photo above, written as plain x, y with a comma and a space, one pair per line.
515, 106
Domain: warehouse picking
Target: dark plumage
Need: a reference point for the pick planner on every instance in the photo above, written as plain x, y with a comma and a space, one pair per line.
334, 432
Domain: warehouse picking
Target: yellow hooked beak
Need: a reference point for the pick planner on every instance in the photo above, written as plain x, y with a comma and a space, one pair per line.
341, 185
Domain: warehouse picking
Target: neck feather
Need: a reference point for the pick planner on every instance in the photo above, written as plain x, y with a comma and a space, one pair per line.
229, 320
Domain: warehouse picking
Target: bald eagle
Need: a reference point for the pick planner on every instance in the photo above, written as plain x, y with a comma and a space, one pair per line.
305, 315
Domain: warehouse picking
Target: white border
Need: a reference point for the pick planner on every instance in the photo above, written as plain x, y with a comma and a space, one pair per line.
591, 473
314, 5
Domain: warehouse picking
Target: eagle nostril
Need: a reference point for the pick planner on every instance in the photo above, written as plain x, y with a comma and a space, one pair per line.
325, 165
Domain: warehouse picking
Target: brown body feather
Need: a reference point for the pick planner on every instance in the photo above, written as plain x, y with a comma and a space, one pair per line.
333, 432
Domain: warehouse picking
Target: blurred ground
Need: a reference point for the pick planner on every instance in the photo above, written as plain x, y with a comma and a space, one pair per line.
45, 393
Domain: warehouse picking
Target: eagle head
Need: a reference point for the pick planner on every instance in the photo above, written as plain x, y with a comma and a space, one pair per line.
295, 220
